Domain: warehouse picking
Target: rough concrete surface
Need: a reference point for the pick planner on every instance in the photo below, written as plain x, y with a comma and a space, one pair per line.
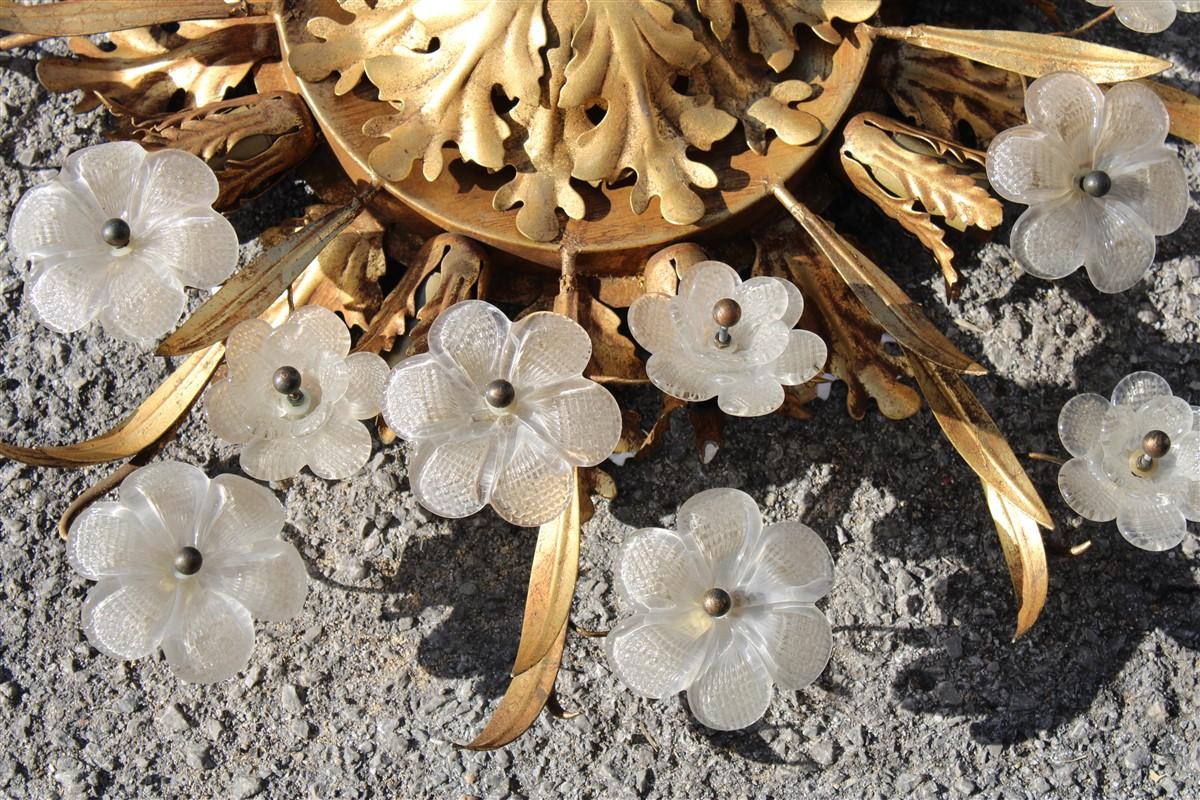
411, 622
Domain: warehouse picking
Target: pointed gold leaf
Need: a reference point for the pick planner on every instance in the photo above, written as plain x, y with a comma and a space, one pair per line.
103, 16
1024, 553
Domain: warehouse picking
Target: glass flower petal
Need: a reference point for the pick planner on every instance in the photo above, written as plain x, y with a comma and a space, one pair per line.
66, 295
734, 689
212, 639
171, 500
656, 570
1050, 239
535, 484
111, 541
173, 183
269, 580
1028, 165
545, 348
678, 377
107, 176
454, 478
579, 417
1093, 496
242, 514
1152, 523
471, 334
1156, 190
125, 617
1120, 248
142, 303
367, 378
199, 248
273, 459
54, 220
796, 643
338, 449
1069, 106
722, 523
1138, 387
791, 564
1081, 422
751, 396
657, 654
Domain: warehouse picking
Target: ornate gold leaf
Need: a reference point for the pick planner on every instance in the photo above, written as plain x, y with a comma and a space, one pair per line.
886, 301
446, 95
149, 66
1032, 54
1024, 553
382, 27
898, 167
255, 286
772, 24
353, 263
248, 141
940, 92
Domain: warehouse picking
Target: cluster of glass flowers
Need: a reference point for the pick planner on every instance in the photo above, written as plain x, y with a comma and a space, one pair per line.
723, 608
1098, 178
1148, 16
1136, 459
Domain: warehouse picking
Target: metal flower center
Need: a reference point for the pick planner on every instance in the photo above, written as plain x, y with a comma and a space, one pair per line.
116, 233
1155, 445
499, 393
717, 602
726, 313
188, 561
1096, 183
286, 381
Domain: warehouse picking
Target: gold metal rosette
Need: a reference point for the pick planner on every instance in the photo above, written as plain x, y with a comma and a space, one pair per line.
574, 155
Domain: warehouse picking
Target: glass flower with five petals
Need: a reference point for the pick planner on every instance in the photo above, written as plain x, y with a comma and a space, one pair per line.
185, 563
723, 608
294, 397
1136, 460
1098, 177
1148, 16
117, 235
723, 337
500, 413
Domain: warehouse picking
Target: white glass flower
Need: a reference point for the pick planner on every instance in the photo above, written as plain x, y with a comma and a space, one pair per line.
500, 413
294, 398
117, 235
725, 338
1098, 178
185, 563
1136, 460
723, 608
1148, 16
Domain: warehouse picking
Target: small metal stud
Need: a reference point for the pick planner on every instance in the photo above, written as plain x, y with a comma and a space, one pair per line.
717, 602
116, 233
727, 312
723, 338
188, 561
499, 393
286, 380
1156, 444
1096, 183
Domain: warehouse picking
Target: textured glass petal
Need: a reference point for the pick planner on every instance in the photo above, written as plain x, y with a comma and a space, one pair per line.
723, 523
368, 377
1186, 456
544, 348
453, 479
1092, 495
795, 306
1133, 117
202, 249
1050, 239
107, 539
142, 303
751, 397
680, 377
1187, 498
339, 448
246, 339
1146, 16
171, 500
174, 183
1027, 165
533, 487
1155, 189
791, 564
699, 290
795, 642
223, 406
579, 417
1151, 523
657, 570
1120, 247
762, 299
733, 689
125, 617
65, 295
1068, 105
313, 329
1172, 415
212, 641
472, 334
803, 359
425, 397
1138, 387
657, 655
243, 514
53, 219
768, 343
651, 324
273, 459
1081, 423
270, 580
111, 172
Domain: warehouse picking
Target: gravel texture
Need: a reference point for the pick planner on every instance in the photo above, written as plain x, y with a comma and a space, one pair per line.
411, 622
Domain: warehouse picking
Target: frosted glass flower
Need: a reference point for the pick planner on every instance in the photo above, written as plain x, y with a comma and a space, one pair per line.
1098, 178
117, 235
1136, 460
500, 413
294, 398
1148, 16
725, 338
723, 608
185, 563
